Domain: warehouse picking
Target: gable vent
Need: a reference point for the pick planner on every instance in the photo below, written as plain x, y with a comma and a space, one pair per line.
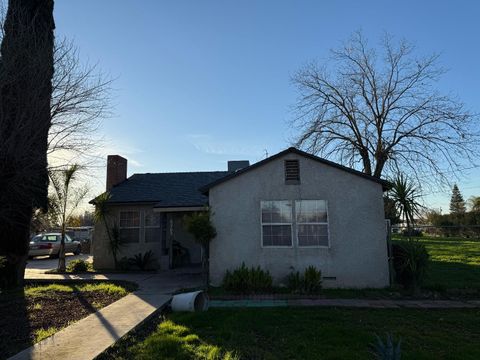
292, 172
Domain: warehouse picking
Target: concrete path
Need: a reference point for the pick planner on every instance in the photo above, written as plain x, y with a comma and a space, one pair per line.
90, 336
352, 303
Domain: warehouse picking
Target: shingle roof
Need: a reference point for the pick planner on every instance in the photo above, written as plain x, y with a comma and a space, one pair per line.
385, 184
165, 189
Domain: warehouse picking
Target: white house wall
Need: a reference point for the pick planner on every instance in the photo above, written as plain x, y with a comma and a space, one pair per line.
357, 256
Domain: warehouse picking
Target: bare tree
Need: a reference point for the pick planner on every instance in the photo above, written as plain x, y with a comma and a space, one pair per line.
380, 111
26, 71
81, 99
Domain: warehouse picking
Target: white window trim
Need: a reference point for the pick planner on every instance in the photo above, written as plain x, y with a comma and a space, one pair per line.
139, 227
262, 223
313, 223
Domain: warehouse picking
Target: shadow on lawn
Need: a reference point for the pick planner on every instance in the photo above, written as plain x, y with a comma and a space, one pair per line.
15, 329
443, 275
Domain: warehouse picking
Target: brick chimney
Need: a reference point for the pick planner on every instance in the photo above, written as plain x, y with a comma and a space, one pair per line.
116, 170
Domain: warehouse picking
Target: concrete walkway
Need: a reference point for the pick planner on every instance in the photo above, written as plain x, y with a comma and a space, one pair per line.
90, 336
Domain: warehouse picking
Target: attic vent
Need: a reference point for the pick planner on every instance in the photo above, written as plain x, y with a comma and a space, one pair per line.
292, 172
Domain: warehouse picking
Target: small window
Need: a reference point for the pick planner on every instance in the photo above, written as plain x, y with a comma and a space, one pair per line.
153, 231
130, 226
292, 172
312, 223
276, 223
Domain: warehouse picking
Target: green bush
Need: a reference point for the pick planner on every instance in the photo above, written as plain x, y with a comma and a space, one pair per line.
312, 279
410, 260
142, 262
245, 280
78, 265
295, 282
310, 282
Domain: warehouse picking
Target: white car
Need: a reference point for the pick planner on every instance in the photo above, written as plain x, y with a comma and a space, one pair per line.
49, 244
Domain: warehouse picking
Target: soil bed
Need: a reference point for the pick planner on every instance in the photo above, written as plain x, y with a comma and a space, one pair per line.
36, 312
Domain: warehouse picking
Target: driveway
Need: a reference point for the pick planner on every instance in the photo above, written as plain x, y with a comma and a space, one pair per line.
40, 264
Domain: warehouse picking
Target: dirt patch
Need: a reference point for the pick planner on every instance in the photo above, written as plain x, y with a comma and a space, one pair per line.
23, 316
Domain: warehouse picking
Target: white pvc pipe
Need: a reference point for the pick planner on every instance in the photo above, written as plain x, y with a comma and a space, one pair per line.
192, 301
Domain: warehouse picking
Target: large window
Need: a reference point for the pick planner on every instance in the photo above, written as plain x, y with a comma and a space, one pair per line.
312, 222
276, 223
153, 231
130, 226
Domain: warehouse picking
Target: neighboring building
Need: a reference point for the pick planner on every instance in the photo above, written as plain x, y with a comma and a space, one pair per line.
283, 213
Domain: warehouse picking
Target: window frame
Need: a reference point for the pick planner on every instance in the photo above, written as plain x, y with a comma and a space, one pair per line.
291, 227
145, 226
120, 227
313, 223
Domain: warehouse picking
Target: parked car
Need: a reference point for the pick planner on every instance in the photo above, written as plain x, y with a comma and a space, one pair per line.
49, 244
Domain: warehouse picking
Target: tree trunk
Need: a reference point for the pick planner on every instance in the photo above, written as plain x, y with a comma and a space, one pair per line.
61, 254
26, 66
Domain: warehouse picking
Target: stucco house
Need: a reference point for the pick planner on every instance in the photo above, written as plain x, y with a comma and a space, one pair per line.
283, 213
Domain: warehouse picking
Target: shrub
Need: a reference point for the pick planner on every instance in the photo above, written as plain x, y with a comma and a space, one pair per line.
312, 279
142, 261
245, 280
310, 282
78, 265
388, 350
295, 282
410, 260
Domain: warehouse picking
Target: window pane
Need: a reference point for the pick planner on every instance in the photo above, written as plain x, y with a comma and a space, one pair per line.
129, 219
312, 235
130, 235
152, 219
276, 212
277, 235
311, 211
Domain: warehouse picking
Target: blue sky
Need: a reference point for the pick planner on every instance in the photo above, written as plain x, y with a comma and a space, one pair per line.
202, 82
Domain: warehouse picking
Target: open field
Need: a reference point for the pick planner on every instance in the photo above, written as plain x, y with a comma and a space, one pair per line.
454, 263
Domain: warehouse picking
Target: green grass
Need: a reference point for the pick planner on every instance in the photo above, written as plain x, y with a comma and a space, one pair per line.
173, 341
41, 334
311, 333
454, 263
109, 288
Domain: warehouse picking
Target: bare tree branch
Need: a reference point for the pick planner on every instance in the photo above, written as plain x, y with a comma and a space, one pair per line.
381, 109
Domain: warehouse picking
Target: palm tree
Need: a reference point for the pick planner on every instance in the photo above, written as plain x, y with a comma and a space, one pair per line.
474, 203
64, 201
405, 196
102, 214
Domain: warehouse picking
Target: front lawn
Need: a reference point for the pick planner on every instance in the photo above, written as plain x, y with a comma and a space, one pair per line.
454, 263
309, 333
38, 311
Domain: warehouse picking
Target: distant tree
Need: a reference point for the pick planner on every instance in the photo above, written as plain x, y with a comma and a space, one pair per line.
26, 71
406, 197
65, 199
457, 204
378, 109
474, 203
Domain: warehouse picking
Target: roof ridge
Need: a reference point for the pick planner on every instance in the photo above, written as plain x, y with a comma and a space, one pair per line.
182, 172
